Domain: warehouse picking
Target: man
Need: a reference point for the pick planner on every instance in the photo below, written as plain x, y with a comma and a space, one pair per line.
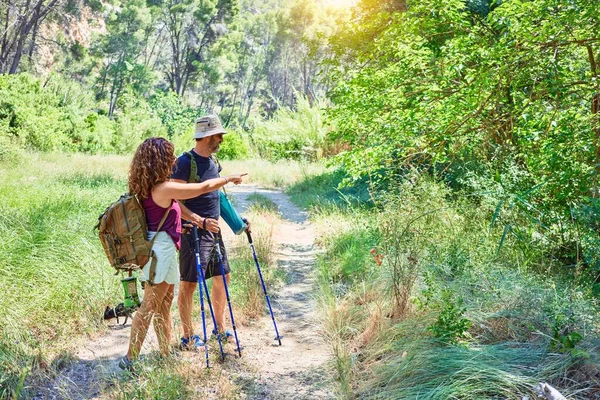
203, 211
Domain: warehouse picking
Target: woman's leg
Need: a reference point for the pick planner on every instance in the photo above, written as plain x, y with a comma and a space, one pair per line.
162, 321
153, 297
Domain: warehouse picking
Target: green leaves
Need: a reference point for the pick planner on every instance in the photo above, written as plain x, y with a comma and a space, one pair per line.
441, 85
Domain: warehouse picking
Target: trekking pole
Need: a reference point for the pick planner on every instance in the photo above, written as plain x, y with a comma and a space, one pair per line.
202, 286
278, 337
220, 257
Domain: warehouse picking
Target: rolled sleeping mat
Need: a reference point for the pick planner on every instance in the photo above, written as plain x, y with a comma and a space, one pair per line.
230, 215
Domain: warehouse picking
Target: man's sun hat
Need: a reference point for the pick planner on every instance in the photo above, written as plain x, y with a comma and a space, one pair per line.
208, 125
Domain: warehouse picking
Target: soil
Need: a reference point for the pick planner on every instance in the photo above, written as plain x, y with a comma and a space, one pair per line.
296, 370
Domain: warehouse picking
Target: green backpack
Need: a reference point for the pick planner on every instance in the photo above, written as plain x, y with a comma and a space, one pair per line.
123, 231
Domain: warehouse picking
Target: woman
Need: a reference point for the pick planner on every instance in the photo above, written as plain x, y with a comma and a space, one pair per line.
149, 174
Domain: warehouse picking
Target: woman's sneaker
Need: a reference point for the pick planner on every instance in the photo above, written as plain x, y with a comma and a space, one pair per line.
193, 343
126, 364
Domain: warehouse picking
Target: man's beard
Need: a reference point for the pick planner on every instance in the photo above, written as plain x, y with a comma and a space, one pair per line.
214, 145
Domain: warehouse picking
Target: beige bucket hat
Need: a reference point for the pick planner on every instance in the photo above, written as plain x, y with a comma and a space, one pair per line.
208, 125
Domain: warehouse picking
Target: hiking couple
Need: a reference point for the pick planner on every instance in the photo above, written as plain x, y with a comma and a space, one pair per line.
159, 179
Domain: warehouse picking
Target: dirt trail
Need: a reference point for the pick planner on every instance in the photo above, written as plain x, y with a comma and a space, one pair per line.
296, 370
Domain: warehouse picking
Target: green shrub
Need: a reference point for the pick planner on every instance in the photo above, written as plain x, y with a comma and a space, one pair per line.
233, 147
440, 252
177, 118
451, 326
291, 134
60, 115
135, 122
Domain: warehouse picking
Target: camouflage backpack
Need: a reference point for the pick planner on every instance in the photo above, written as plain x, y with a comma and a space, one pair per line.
123, 231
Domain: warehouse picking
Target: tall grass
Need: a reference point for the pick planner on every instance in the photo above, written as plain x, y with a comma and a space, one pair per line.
475, 323
278, 174
247, 291
55, 277
175, 379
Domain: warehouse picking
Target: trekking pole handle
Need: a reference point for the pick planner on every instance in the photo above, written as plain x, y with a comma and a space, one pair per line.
196, 237
247, 231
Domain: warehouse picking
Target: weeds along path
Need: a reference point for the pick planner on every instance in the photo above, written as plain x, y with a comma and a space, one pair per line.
298, 368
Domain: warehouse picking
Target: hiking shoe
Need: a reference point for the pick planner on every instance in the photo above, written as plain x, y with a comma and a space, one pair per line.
193, 343
126, 364
225, 336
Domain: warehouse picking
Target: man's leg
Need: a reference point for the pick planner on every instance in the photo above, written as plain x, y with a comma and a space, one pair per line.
219, 300
187, 284
184, 303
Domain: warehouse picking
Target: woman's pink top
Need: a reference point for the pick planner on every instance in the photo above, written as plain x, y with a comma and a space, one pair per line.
172, 224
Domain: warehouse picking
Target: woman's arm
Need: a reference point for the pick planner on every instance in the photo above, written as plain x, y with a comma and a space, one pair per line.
163, 193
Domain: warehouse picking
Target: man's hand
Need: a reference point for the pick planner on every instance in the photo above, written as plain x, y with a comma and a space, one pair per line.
235, 179
247, 224
212, 225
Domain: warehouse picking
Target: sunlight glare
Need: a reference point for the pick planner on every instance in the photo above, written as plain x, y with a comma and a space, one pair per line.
341, 3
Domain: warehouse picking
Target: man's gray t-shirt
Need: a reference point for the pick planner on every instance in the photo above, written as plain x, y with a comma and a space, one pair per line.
206, 205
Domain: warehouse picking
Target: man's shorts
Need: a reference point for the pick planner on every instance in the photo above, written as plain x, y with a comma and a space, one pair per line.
208, 256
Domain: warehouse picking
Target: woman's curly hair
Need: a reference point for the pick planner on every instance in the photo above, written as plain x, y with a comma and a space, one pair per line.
152, 164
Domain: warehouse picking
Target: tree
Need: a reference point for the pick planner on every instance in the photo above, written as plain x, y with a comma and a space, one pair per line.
20, 21
191, 27
121, 49
442, 86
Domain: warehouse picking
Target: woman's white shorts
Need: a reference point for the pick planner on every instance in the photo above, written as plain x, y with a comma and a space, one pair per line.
167, 266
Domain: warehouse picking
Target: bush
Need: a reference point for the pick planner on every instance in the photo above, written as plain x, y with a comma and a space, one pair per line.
135, 123
451, 326
177, 118
291, 134
233, 147
516, 326
60, 115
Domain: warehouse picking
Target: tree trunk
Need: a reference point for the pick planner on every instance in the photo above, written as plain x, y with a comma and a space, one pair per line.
32, 44
595, 107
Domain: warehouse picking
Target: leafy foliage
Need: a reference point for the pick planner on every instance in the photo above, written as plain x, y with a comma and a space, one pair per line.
291, 134
442, 85
451, 326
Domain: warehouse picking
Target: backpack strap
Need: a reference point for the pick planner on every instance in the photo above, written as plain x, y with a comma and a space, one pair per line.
193, 178
152, 271
216, 161
219, 168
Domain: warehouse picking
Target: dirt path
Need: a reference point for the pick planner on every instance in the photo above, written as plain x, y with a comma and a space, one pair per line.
296, 370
